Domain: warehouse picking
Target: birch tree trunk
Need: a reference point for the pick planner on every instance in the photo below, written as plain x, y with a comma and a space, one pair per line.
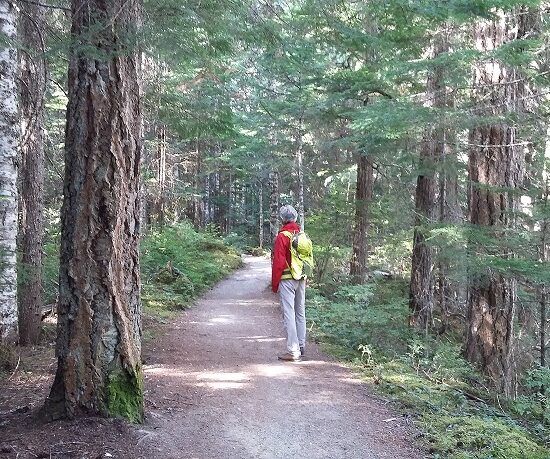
31, 222
99, 314
8, 174
496, 168
363, 196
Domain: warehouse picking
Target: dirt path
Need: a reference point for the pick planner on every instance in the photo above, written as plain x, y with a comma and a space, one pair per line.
214, 388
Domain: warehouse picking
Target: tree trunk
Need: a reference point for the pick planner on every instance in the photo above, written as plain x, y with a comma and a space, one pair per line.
421, 291
274, 205
261, 211
99, 313
363, 196
161, 175
31, 229
8, 173
496, 168
300, 176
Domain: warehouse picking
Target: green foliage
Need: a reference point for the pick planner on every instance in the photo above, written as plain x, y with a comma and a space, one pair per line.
178, 264
50, 266
478, 437
359, 315
427, 376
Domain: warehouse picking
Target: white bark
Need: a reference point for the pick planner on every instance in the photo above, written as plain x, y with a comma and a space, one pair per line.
8, 175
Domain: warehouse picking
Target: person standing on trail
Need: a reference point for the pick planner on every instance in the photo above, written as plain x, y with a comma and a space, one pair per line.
292, 292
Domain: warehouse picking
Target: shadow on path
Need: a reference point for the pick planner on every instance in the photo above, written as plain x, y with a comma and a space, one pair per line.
215, 389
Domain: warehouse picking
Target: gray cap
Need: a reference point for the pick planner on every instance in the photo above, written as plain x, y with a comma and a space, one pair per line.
288, 214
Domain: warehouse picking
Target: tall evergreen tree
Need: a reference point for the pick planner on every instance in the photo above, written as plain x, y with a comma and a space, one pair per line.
99, 318
31, 219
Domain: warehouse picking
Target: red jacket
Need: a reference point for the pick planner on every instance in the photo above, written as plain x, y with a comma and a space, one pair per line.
281, 254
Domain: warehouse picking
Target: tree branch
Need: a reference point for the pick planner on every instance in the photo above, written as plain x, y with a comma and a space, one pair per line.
45, 5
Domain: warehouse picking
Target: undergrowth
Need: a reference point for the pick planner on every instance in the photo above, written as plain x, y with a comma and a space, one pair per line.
178, 264
458, 417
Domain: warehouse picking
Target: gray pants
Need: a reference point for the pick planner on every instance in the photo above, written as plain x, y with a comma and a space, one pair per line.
293, 301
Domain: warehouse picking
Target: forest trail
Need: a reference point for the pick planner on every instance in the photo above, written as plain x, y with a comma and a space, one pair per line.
215, 389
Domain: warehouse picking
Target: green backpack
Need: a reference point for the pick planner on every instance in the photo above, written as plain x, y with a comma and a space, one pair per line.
301, 255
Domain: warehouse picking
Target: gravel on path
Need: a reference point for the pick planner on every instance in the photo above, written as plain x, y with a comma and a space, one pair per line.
215, 389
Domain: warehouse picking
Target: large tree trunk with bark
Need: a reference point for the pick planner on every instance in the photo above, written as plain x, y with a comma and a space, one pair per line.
421, 291
363, 196
8, 173
31, 201
496, 167
99, 316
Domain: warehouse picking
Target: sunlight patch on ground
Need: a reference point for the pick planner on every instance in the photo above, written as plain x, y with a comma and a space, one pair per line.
164, 371
260, 339
223, 376
273, 371
311, 362
223, 380
225, 319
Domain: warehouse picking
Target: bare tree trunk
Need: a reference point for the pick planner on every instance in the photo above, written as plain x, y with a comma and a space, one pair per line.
363, 196
261, 210
496, 167
421, 291
161, 175
300, 174
544, 257
8, 173
449, 293
274, 205
99, 314
31, 229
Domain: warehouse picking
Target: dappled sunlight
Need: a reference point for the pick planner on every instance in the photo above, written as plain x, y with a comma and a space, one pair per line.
222, 376
273, 370
305, 363
260, 339
224, 319
222, 385
165, 371
355, 381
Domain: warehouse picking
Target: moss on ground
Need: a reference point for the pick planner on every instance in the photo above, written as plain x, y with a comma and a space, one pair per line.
178, 264
365, 325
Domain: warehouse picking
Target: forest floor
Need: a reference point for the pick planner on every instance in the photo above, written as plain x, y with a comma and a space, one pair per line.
215, 389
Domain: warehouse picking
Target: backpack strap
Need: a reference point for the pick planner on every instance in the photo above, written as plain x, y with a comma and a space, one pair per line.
286, 272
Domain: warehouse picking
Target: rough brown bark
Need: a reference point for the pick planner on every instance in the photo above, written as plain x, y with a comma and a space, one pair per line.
160, 201
363, 196
421, 288
99, 316
496, 166
31, 202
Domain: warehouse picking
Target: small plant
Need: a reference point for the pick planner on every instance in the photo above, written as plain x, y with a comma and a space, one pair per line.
366, 354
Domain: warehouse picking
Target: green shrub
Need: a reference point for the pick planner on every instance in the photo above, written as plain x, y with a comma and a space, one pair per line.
427, 375
178, 263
